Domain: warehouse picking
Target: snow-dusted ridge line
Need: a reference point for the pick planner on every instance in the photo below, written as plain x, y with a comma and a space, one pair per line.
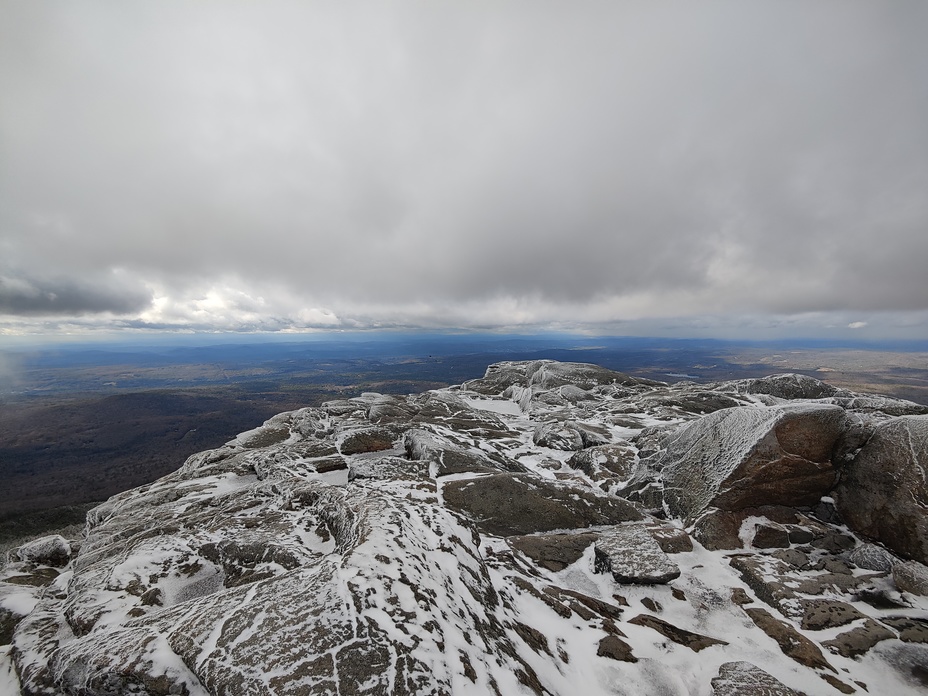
348, 549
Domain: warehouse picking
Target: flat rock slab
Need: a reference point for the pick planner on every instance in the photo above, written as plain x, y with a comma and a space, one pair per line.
632, 555
825, 613
446, 457
766, 576
791, 386
366, 440
859, 640
791, 642
515, 504
745, 679
553, 551
911, 629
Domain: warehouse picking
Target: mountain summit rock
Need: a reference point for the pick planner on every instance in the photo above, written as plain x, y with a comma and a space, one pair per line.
550, 529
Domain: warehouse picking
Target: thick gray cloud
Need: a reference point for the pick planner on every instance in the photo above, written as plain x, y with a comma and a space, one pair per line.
26, 296
268, 166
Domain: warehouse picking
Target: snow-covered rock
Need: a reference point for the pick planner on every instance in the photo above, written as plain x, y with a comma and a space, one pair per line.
53, 551
744, 457
435, 544
632, 555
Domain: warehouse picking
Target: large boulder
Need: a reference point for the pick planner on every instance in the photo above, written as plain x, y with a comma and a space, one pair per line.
883, 492
745, 457
559, 436
54, 551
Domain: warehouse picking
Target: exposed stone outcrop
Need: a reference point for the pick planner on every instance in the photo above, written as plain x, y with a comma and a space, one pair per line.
744, 457
512, 504
553, 551
883, 493
495, 538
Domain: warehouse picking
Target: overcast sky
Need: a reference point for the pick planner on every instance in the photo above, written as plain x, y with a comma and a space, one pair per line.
712, 168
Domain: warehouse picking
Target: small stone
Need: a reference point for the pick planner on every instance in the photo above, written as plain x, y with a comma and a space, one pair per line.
534, 638
717, 530
770, 536
616, 459
693, 641
672, 539
838, 684
800, 535
615, 648
880, 599
153, 597
652, 604
559, 436
834, 565
740, 597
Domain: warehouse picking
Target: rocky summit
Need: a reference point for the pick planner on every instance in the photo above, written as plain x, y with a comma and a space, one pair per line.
551, 528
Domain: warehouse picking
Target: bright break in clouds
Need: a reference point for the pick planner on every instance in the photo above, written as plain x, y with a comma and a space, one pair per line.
715, 167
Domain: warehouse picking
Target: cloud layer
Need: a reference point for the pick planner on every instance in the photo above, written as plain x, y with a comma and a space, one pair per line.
274, 166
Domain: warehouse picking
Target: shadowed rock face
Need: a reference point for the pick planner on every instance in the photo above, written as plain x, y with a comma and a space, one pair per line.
744, 457
884, 492
443, 543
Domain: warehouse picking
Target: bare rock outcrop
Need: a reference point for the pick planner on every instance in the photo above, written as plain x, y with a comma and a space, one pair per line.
444, 543
745, 457
883, 493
